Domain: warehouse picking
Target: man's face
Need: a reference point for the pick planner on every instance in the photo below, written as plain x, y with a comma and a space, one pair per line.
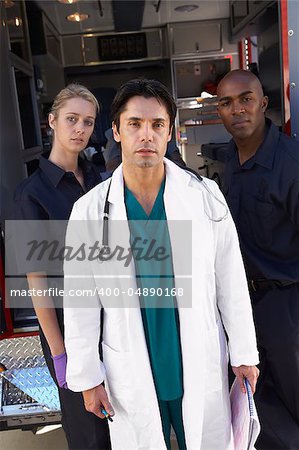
144, 131
241, 106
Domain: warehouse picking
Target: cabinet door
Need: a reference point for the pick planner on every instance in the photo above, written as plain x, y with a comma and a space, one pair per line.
239, 11
255, 6
194, 38
73, 50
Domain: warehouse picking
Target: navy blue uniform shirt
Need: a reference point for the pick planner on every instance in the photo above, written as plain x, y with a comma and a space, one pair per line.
50, 192
263, 196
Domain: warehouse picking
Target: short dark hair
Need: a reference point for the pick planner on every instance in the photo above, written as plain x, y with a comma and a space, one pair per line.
144, 88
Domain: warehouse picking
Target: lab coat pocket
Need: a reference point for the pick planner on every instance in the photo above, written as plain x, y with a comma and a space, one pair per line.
213, 372
117, 367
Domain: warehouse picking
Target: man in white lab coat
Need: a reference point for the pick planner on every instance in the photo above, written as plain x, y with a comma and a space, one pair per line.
161, 367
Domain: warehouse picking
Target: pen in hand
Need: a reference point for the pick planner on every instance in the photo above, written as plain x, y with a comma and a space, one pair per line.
103, 411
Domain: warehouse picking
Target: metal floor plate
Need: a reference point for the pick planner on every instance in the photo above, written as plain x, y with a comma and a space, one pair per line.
27, 370
37, 383
18, 353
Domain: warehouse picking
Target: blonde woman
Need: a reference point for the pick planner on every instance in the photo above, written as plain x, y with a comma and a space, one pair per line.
49, 194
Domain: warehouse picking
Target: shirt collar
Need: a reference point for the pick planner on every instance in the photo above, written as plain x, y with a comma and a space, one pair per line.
55, 173
264, 155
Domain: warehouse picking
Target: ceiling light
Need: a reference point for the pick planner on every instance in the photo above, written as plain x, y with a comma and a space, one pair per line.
77, 17
186, 8
15, 22
8, 3
68, 1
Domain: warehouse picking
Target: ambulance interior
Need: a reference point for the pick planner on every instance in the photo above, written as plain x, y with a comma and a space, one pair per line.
188, 45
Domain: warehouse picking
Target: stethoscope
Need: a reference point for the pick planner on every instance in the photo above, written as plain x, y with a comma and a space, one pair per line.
105, 249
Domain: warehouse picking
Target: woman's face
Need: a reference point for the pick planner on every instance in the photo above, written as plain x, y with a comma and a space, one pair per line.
73, 125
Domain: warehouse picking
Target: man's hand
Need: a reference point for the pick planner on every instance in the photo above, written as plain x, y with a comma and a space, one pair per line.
249, 372
95, 399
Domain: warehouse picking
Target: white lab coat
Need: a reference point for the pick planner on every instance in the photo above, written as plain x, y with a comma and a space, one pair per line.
218, 285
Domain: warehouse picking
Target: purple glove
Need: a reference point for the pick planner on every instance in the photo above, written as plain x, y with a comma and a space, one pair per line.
59, 362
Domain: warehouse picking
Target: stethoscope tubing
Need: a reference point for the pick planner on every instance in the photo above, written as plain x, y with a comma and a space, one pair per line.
105, 249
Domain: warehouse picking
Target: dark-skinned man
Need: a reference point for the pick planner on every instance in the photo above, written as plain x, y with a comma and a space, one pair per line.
261, 186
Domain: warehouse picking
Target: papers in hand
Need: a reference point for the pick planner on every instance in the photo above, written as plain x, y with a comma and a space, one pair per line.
245, 422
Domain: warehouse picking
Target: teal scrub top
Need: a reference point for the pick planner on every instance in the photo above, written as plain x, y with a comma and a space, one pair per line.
155, 277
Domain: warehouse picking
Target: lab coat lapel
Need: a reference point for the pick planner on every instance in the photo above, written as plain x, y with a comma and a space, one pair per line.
116, 195
119, 235
179, 191
136, 337
118, 213
184, 202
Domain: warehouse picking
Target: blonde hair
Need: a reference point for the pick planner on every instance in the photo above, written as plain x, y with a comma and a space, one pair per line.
73, 90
